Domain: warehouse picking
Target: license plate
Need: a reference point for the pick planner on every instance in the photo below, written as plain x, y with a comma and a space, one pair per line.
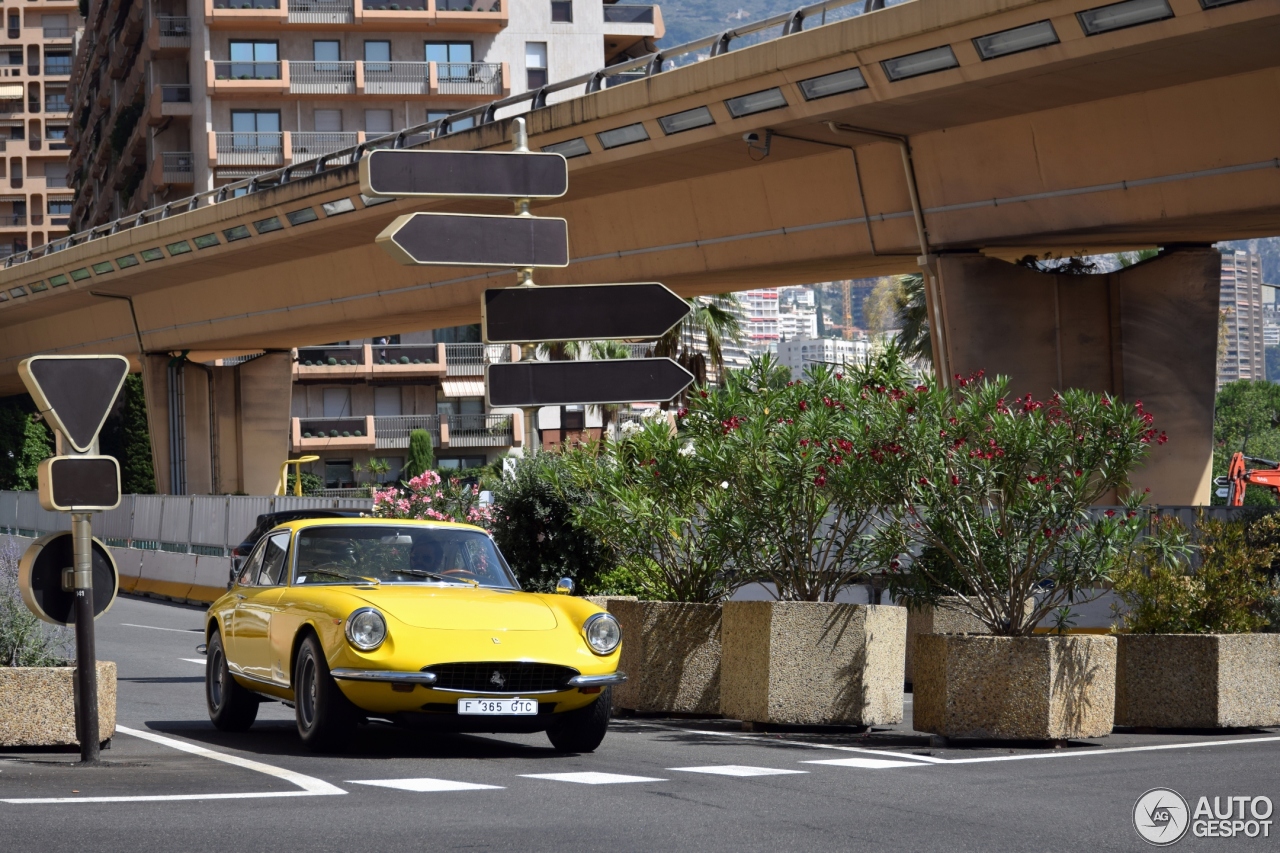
498, 707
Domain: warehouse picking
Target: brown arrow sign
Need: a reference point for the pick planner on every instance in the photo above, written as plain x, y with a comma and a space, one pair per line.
468, 240
75, 393
591, 383
581, 312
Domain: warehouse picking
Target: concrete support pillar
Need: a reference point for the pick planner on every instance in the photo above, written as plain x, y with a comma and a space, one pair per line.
1148, 332
235, 423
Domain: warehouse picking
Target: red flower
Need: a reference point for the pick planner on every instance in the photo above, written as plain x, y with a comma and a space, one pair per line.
839, 376
1109, 513
819, 481
955, 481
804, 405
920, 389
924, 481
702, 394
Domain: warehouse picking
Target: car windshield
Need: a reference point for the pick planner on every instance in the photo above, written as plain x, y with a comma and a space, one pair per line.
399, 554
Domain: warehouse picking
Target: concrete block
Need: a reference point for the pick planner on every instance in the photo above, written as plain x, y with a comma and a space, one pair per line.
671, 655
129, 565
602, 601
209, 582
1015, 688
1198, 681
166, 574
813, 663
946, 618
37, 705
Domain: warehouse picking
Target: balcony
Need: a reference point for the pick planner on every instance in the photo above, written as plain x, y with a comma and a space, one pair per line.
322, 78
13, 220
54, 33
56, 182
477, 431
56, 105
335, 362
408, 361
470, 359
391, 432
168, 100
265, 150
397, 78
176, 168
322, 12
480, 79
169, 34
470, 15
248, 79
245, 14
619, 14
626, 25
333, 433
55, 67
308, 145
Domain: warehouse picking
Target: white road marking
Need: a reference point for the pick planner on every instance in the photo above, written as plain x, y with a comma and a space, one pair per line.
737, 770
867, 763
200, 661
772, 741
591, 778
424, 786
155, 628
311, 786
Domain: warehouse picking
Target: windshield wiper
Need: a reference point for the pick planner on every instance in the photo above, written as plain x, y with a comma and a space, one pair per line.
332, 573
418, 573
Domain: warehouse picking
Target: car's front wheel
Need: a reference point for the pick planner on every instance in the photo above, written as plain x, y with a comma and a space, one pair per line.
232, 708
326, 719
582, 730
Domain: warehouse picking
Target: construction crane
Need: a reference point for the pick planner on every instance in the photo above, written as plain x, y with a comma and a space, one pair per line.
1239, 475
846, 289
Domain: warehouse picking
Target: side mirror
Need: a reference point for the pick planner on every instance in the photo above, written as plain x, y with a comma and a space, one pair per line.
564, 586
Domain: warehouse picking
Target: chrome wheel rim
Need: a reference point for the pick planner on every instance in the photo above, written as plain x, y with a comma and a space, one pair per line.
307, 699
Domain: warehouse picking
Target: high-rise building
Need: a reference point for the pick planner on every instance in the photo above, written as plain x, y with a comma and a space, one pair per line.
760, 319
175, 98
1241, 302
34, 119
800, 354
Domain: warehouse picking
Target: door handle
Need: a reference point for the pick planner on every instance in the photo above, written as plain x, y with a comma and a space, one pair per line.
240, 596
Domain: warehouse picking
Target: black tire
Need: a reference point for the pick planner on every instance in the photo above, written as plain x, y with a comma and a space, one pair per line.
232, 708
582, 730
326, 718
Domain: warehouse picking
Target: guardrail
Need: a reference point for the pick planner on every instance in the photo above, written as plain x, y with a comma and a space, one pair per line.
641, 67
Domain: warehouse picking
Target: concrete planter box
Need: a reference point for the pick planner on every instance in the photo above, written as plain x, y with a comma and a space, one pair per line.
1015, 688
946, 618
37, 706
1198, 681
671, 655
809, 663
602, 601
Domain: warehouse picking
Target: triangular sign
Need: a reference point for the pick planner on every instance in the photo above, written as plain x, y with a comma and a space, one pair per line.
75, 392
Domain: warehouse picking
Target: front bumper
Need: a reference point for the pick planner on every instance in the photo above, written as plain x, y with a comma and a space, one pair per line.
428, 679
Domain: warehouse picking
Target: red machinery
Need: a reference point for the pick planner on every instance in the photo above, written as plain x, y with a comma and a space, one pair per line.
1239, 476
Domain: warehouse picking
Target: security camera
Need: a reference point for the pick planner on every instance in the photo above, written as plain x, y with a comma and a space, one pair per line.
757, 144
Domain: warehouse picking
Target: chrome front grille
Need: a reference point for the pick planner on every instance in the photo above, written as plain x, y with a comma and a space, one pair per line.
501, 677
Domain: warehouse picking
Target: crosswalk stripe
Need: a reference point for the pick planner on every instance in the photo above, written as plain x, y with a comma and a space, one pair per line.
591, 778
868, 763
737, 770
424, 785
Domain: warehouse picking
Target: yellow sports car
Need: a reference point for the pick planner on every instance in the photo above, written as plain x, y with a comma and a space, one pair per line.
414, 622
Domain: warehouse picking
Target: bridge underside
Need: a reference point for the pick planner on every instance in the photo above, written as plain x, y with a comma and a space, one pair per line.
1151, 136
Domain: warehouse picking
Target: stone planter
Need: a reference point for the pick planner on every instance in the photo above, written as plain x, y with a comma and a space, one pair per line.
943, 619
671, 655
1014, 688
809, 663
37, 706
602, 601
1198, 681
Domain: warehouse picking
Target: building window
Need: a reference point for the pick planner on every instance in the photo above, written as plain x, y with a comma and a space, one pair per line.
449, 52
562, 11
328, 121
460, 124
377, 56
326, 51
337, 402
535, 64
338, 474
255, 60
377, 121
59, 207
386, 402
249, 126
459, 463
395, 464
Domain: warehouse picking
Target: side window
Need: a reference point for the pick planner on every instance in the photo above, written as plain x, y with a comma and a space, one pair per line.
273, 560
252, 565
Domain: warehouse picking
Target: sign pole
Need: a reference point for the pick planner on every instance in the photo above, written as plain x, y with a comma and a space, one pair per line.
86, 692
524, 278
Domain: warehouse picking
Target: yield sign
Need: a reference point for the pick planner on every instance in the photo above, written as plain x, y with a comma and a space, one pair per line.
75, 393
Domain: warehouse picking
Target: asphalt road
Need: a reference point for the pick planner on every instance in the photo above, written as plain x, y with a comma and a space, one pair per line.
701, 785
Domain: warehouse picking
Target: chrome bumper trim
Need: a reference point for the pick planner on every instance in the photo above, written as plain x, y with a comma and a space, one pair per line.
427, 678
597, 680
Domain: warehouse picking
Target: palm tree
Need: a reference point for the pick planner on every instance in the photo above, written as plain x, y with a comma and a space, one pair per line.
715, 319
602, 350
913, 318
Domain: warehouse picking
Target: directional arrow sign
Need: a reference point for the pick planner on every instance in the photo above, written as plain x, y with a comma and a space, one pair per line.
583, 312
74, 393
464, 240
463, 174
79, 483
593, 383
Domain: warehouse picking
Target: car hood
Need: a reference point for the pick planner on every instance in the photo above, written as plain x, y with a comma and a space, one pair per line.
461, 608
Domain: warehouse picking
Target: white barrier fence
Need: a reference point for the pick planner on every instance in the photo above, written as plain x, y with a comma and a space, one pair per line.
169, 546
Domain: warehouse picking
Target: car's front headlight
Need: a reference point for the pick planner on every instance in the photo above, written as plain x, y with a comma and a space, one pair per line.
366, 629
603, 633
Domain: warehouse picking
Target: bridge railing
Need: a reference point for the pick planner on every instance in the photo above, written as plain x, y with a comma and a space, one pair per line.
641, 67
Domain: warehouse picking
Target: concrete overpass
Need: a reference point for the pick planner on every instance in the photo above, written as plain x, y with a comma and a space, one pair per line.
1159, 133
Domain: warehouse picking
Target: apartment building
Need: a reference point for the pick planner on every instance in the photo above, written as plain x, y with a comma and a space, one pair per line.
798, 355
35, 66
181, 96
760, 319
1241, 302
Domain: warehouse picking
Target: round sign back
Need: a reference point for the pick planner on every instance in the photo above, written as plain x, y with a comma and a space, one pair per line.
40, 578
